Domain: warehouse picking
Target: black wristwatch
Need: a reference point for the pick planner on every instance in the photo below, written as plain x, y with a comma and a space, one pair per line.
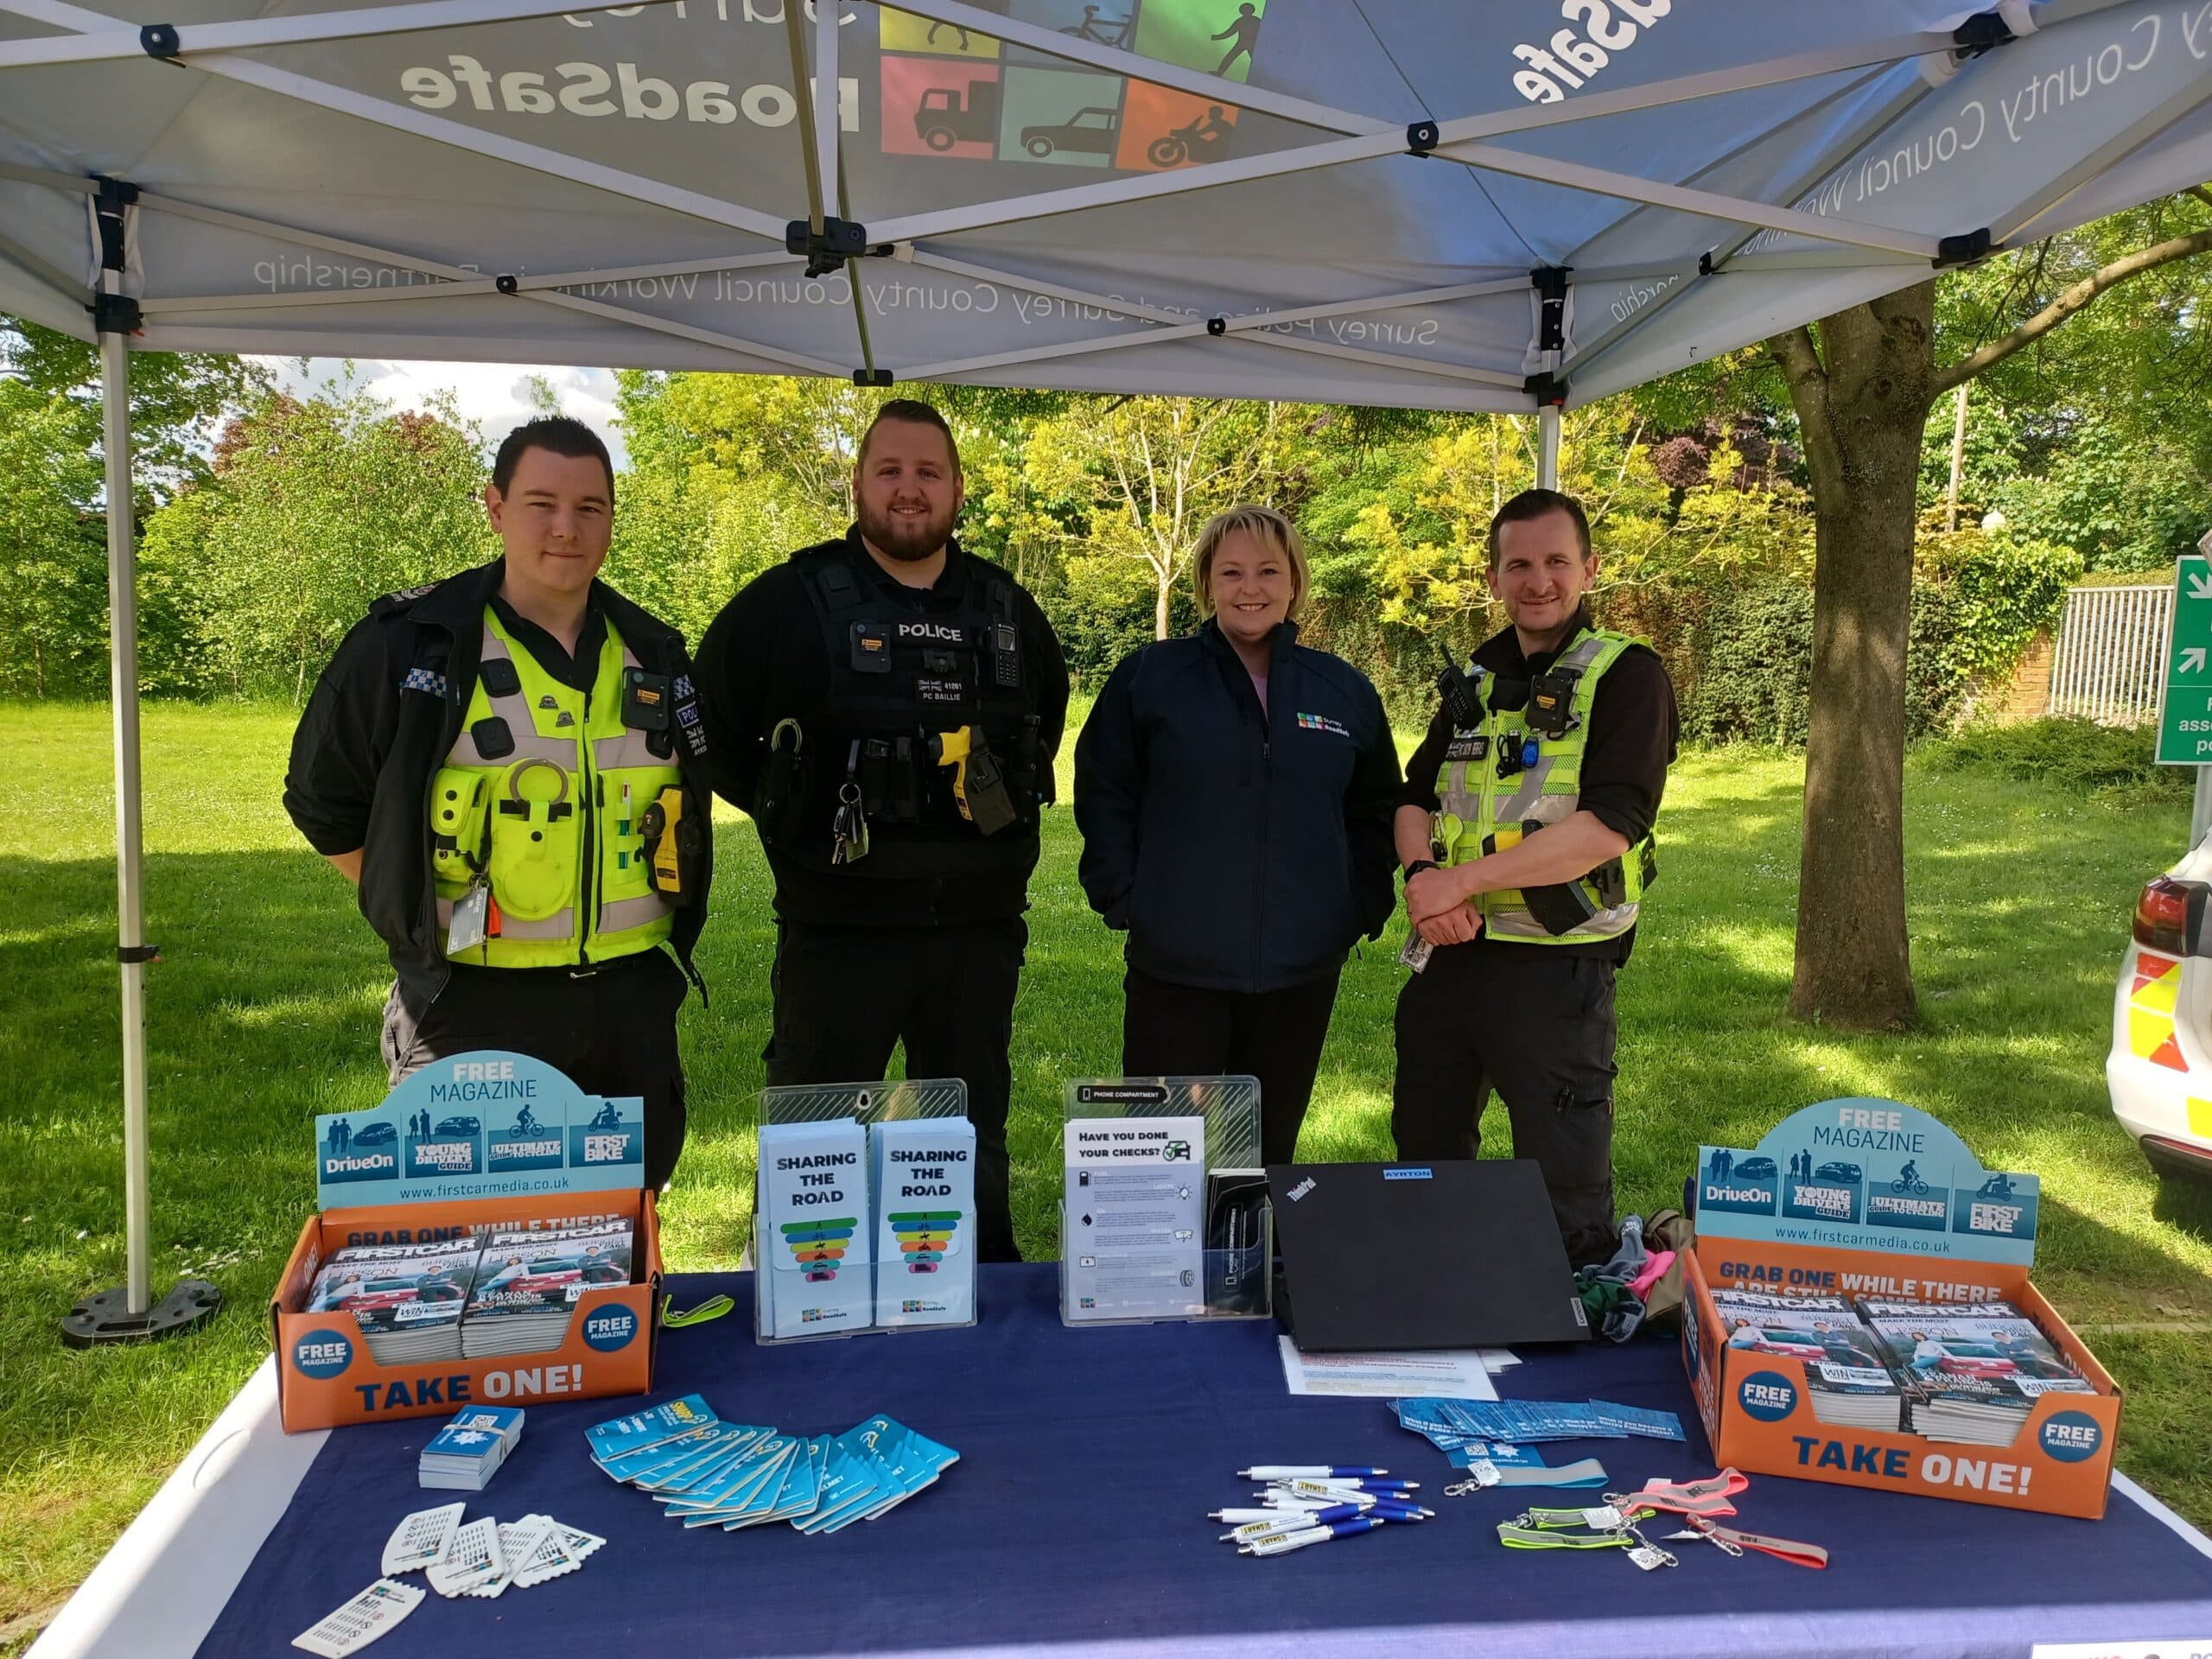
1418, 865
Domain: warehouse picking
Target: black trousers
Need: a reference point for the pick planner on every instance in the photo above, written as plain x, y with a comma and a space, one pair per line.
610, 1029
1540, 1029
1170, 1031
846, 996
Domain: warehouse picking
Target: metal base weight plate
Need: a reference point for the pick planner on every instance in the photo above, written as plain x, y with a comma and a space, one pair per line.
106, 1315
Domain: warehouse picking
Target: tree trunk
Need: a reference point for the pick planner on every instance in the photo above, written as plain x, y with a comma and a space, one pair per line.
1159, 607
1862, 413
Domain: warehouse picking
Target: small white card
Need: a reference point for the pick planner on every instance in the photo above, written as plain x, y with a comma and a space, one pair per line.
472, 1558
420, 1540
361, 1620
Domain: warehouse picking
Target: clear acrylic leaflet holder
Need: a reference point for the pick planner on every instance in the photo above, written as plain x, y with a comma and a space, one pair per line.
916, 1268
1150, 1228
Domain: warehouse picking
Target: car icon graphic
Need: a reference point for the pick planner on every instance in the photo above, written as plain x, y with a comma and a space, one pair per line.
1087, 132
1175, 1149
1841, 1173
1754, 1169
377, 1135
459, 1126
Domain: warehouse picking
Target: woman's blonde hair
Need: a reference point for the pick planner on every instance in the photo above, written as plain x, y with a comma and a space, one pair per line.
1265, 525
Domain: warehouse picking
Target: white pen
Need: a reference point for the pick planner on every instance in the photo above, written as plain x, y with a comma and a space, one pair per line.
1279, 1543
1294, 1471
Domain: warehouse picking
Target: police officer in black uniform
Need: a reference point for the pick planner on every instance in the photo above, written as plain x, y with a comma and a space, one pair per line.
886, 708
504, 763
1526, 834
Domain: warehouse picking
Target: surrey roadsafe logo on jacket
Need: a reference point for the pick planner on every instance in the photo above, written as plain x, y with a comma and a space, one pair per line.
1321, 723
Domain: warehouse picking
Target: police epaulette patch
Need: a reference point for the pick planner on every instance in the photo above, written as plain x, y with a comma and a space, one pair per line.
424, 679
404, 596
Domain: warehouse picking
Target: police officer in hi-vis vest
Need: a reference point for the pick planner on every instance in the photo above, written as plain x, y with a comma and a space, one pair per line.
504, 763
886, 707
1525, 832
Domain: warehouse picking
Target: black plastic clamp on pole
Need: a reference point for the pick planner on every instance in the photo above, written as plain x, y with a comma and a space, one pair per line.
1548, 389
1980, 32
505, 284
871, 376
160, 40
1550, 284
1217, 327
1953, 251
1422, 136
115, 313
826, 250
1705, 263
130, 953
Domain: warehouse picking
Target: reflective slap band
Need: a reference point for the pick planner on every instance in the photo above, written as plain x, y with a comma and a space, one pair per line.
1528, 1538
1782, 1548
1673, 1501
1587, 1472
1542, 1519
1727, 1483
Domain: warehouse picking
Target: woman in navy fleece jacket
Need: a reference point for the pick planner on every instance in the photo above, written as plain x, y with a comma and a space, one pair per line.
1235, 791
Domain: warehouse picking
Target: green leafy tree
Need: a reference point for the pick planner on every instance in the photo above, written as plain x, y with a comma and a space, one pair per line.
316, 506
52, 549
1862, 384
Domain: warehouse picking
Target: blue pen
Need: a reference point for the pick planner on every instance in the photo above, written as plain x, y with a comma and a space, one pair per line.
1313, 1471
1287, 1541
1332, 1488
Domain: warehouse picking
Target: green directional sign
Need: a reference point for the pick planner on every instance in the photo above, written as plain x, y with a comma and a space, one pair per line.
2185, 714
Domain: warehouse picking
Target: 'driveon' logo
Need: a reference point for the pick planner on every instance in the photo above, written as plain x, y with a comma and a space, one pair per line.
610, 1328
323, 1354
2072, 1437
1768, 1395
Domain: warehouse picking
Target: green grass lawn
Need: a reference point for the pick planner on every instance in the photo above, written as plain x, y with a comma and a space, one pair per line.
265, 1012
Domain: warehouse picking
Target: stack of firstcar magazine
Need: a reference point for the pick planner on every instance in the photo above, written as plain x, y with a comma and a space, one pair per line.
528, 1284
1971, 1371
407, 1298
1847, 1378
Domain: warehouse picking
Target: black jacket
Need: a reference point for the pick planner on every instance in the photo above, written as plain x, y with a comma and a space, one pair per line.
764, 661
383, 718
1244, 850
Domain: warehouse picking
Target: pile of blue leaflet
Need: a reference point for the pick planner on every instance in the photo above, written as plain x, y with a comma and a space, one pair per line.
1318, 1503
706, 1472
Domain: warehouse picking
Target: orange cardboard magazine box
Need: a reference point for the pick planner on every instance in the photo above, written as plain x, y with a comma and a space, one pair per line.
554, 1159
1872, 1199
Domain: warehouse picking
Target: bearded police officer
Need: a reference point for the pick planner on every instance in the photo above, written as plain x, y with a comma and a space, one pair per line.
502, 762
1526, 835
886, 707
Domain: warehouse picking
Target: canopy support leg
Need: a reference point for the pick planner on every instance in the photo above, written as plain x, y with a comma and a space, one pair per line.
128, 1312
1548, 446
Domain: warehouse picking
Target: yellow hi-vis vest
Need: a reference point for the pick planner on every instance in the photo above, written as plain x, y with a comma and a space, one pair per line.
1475, 803
543, 796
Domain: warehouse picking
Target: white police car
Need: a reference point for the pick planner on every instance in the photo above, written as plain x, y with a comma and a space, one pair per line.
2160, 1066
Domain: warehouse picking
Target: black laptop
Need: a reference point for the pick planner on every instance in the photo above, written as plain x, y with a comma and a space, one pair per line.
1463, 1254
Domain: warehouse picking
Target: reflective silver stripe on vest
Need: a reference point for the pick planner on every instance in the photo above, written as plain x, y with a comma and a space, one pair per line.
1520, 925
615, 915
560, 925
1521, 803
629, 749
522, 724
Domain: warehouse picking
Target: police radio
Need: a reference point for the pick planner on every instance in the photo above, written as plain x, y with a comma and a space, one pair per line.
1461, 691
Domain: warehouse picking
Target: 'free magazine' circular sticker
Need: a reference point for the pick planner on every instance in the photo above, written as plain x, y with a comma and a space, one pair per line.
323, 1354
1768, 1395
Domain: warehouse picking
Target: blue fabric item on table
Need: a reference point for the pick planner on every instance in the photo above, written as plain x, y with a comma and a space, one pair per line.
1075, 1522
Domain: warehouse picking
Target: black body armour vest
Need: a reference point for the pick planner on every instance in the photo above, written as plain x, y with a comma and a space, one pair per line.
898, 680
